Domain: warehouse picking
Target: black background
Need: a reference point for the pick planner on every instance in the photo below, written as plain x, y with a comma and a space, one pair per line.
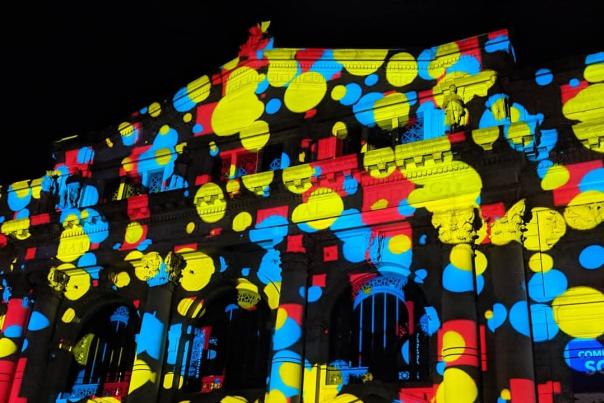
74, 67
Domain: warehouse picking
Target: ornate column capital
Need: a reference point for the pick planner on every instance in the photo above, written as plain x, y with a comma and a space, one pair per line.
456, 226
511, 226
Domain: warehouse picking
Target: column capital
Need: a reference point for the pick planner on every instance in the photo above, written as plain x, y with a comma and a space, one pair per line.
456, 225
511, 226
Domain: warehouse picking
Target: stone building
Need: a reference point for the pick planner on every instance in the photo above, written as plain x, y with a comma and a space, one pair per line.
320, 225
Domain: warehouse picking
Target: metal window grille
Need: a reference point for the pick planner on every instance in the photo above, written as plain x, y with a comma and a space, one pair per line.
155, 182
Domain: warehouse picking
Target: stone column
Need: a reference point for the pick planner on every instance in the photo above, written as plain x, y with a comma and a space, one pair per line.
513, 351
13, 329
287, 362
146, 378
38, 338
458, 338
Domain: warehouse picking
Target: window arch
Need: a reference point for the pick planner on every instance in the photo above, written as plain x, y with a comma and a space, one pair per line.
374, 333
228, 347
103, 354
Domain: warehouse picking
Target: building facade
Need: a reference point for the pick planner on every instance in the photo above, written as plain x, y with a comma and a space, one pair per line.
320, 225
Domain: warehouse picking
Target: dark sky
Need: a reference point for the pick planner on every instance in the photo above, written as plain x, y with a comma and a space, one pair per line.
74, 67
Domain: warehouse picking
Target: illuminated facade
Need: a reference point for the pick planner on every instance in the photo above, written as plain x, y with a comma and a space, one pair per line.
320, 225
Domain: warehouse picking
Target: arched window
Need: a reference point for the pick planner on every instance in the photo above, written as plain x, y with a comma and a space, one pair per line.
103, 354
374, 333
229, 345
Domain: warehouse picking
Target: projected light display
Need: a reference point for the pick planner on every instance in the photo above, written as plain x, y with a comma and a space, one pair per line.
320, 225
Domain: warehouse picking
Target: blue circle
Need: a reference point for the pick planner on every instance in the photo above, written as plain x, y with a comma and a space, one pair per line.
544, 287
371, 79
592, 257
544, 76
197, 128
273, 106
574, 82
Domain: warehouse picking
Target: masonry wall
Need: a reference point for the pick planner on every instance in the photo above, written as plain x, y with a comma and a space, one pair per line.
351, 224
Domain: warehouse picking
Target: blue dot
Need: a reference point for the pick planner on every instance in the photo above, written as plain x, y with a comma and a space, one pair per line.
273, 106
423, 239
543, 76
144, 110
371, 80
592, 257
245, 271
574, 82
198, 128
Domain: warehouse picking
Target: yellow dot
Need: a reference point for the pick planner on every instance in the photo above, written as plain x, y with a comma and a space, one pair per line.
190, 227
7, 347
506, 394
210, 203
556, 176
339, 130
255, 136
457, 387
199, 89
488, 314
305, 91
275, 396
163, 156
154, 109
187, 117
242, 221
480, 262
68, 315
399, 244
134, 232
125, 129
127, 164
290, 374
338, 92
164, 129
580, 312
121, 279
453, 346
281, 318
461, 256
379, 204
541, 262
401, 69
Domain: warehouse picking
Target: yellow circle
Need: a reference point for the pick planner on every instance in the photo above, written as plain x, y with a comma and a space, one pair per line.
242, 221
506, 394
154, 109
580, 312
210, 203
461, 256
401, 69
541, 262
190, 227
164, 129
68, 315
453, 346
338, 92
281, 318
480, 262
163, 156
488, 314
305, 91
339, 130
289, 373
457, 387
134, 232
187, 117
399, 244
233, 186
121, 279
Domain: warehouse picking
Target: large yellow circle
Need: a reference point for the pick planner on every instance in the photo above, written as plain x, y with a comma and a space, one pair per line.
305, 91
579, 312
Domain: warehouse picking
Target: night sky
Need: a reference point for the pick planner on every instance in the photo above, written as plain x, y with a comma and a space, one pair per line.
77, 67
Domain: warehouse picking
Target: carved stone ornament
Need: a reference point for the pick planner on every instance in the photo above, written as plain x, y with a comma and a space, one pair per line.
584, 216
511, 226
455, 226
57, 280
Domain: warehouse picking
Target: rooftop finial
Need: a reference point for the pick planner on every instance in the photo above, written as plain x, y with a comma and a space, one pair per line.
257, 39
